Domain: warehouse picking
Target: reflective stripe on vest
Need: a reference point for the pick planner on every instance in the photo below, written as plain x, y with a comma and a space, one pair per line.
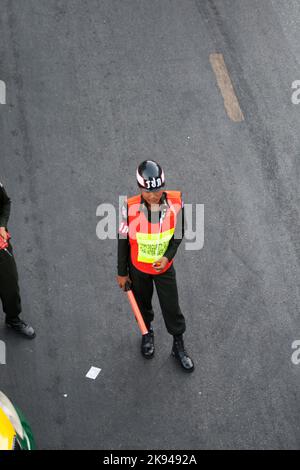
152, 246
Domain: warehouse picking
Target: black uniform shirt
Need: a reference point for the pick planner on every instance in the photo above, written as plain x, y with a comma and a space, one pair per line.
4, 207
153, 216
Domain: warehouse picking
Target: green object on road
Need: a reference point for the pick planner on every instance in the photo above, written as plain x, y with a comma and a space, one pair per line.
28, 442
15, 432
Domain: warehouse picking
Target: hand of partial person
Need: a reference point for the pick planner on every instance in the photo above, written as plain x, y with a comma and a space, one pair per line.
122, 281
3, 233
160, 264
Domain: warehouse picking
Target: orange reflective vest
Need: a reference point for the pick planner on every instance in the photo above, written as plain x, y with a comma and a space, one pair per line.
149, 241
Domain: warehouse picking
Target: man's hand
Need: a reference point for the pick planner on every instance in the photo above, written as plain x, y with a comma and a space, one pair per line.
3, 233
122, 281
160, 264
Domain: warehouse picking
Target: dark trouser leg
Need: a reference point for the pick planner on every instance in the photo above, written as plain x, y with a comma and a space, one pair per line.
142, 287
9, 287
167, 292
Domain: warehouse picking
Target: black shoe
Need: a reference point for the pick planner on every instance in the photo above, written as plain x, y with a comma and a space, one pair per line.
147, 346
21, 327
179, 352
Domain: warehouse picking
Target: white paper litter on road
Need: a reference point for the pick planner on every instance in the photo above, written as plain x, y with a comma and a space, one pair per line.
93, 373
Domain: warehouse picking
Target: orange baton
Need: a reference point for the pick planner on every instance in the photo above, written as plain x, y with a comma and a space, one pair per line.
135, 309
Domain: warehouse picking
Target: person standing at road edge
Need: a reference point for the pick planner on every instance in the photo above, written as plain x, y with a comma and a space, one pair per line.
9, 284
146, 247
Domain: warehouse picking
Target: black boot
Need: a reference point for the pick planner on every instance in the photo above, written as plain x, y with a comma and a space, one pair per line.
147, 346
179, 352
21, 327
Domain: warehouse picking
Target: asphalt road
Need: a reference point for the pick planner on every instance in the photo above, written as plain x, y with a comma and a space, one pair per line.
94, 88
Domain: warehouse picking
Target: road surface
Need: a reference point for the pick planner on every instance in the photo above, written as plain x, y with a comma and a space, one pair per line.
94, 88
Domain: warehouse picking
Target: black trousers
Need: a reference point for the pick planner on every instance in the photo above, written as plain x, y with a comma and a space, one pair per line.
166, 287
9, 285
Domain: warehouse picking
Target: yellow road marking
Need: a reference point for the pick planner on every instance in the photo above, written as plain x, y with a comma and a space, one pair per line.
224, 82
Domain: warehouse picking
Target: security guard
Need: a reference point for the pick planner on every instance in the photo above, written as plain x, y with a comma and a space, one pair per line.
151, 230
9, 287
